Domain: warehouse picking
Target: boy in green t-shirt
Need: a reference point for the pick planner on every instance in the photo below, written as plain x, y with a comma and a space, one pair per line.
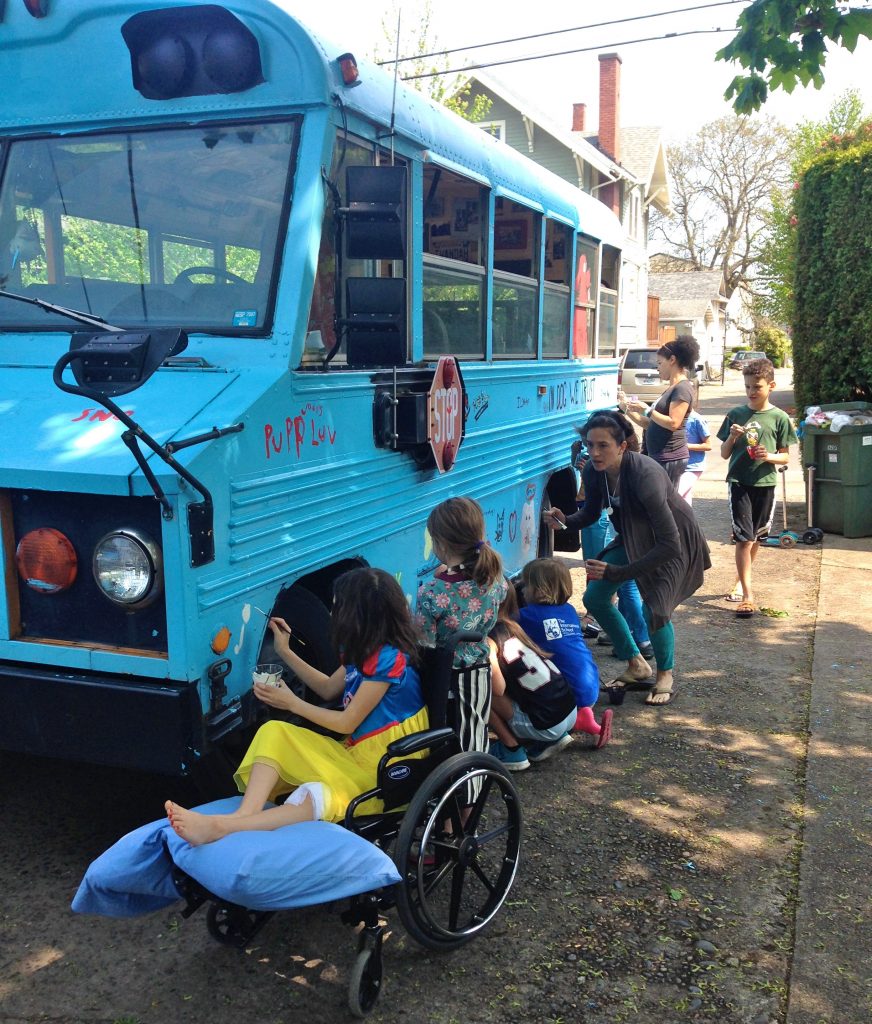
755, 439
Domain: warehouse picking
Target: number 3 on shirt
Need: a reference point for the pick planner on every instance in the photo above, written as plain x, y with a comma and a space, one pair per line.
536, 671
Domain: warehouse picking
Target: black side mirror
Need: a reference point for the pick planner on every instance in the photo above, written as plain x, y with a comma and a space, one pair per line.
376, 213
113, 363
375, 321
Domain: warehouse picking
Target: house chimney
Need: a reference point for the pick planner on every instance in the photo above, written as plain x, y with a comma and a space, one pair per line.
578, 112
610, 105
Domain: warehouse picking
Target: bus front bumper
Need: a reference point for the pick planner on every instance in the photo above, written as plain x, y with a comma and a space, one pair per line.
99, 718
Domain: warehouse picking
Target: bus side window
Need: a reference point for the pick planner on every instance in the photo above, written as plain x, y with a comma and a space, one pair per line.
584, 313
455, 229
516, 279
321, 330
607, 341
555, 302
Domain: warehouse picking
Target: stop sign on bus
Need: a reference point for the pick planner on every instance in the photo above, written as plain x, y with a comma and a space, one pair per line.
446, 408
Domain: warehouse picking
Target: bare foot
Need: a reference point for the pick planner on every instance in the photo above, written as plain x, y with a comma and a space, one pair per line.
194, 827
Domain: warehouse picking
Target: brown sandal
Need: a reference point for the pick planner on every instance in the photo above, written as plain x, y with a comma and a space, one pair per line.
669, 693
745, 610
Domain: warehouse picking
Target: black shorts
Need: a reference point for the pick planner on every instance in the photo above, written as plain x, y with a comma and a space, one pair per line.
674, 469
751, 511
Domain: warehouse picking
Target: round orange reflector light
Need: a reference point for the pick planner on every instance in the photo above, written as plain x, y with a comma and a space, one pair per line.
221, 640
46, 561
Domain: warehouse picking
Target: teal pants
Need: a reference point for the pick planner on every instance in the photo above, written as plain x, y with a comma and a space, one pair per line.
598, 602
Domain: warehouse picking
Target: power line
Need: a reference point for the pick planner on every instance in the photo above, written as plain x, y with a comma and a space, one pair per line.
560, 31
563, 53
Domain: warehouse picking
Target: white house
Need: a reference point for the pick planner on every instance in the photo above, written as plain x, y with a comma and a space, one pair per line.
695, 302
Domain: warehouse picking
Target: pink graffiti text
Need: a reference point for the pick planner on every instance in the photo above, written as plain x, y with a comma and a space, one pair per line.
305, 430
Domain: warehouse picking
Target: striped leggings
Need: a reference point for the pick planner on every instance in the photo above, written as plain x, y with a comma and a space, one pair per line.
468, 711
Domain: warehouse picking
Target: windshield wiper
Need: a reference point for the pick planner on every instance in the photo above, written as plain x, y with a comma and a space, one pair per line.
72, 314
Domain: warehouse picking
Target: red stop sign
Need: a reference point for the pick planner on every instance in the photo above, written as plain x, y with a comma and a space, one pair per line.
445, 406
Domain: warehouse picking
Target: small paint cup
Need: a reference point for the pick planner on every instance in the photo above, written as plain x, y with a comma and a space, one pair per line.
616, 694
268, 674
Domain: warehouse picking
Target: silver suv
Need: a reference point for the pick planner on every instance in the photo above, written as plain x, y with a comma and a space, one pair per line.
638, 376
741, 358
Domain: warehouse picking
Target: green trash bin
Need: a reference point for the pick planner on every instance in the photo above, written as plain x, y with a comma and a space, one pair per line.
842, 498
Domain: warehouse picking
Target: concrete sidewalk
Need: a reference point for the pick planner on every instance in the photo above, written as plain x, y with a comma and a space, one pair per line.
831, 976
830, 979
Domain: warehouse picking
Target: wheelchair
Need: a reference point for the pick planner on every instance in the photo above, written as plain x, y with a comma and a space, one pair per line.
457, 859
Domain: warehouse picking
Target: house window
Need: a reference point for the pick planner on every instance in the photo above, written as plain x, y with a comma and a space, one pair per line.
635, 225
495, 128
455, 223
629, 293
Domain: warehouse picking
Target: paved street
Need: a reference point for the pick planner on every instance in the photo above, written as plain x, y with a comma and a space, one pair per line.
710, 864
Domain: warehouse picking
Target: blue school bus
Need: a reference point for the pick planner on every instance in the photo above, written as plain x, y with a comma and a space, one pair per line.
260, 310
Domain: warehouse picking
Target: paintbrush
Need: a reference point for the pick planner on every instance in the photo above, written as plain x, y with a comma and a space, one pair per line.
293, 636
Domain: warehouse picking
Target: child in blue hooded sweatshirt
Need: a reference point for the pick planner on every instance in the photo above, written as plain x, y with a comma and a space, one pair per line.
548, 618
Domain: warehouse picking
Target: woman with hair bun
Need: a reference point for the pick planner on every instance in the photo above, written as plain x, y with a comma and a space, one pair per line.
658, 543
663, 423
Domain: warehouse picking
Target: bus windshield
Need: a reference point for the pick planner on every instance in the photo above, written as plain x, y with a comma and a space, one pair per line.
171, 226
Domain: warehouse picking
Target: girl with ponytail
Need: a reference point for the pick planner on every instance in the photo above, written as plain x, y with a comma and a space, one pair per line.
464, 594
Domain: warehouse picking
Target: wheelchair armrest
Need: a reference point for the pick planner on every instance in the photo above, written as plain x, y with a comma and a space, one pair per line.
418, 741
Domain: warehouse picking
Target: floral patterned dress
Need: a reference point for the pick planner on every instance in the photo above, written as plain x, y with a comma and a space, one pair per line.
447, 603
453, 601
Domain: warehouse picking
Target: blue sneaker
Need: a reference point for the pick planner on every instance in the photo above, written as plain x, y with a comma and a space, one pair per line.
514, 760
542, 751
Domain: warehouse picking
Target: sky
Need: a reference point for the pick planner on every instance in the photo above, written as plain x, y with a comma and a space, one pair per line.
673, 83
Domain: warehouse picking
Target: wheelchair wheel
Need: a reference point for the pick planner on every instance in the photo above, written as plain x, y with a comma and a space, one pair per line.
365, 980
234, 926
457, 862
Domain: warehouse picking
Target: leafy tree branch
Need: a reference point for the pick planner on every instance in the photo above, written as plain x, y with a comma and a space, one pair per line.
782, 43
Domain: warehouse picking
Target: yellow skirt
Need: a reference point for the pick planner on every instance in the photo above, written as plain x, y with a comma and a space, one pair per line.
345, 771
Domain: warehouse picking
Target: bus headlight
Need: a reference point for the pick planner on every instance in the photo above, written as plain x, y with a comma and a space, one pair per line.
128, 569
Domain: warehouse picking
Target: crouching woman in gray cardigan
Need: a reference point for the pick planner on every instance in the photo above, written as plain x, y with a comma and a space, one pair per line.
658, 543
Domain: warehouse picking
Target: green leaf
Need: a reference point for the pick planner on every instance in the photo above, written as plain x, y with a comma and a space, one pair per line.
852, 26
676, 894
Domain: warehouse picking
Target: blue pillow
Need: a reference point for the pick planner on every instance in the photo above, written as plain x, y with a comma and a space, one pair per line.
132, 877
294, 866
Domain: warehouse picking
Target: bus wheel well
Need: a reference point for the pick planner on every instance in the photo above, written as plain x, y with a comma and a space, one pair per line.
320, 583
305, 605
560, 491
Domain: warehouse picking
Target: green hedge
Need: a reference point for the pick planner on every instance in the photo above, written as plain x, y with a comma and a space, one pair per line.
832, 335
